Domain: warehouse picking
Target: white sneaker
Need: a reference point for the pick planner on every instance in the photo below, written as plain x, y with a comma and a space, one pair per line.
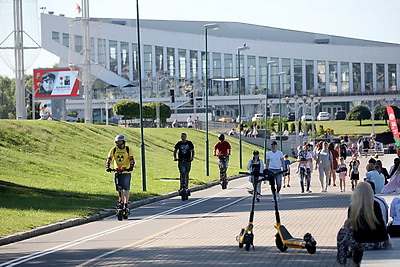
279, 196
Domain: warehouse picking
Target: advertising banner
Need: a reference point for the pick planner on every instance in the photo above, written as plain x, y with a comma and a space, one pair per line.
55, 83
393, 125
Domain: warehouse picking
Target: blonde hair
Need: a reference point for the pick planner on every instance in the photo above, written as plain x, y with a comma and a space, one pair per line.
362, 207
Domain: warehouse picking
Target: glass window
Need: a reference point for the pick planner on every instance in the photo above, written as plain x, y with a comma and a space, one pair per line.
345, 76
286, 90
216, 65
182, 63
193, 64
321, 75
309, 77
392, 77
228, 60
263, 74
78, 44
55, 36
65, 40
159, 58
171, 61
298, 77
147, 58
368, 77
125, 60
113, 56
333, 81
357, 77
380, 77
101, 50
274, 77
251, 74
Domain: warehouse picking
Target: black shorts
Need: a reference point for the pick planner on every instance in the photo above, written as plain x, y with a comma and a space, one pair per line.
354, 176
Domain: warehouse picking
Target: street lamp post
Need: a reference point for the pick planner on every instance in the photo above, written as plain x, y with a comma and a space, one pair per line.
269, 63
280, 106
211, 26
240, 49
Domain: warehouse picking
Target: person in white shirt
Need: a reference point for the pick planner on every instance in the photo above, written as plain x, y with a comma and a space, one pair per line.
275, 163
189, 122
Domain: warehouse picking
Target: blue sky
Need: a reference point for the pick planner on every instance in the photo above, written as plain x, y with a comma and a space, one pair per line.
364, 19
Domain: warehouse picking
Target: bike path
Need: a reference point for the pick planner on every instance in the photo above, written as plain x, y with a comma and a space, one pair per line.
198, 232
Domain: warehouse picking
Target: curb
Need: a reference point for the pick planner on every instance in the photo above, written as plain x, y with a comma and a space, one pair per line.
101, 215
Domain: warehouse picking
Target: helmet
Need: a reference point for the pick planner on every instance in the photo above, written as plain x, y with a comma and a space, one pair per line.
221, 137
255, 152
118, 138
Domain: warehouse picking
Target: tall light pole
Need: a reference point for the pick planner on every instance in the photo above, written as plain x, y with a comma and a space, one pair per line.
269, 63
240, 49
211, 26
280, 74
142, 146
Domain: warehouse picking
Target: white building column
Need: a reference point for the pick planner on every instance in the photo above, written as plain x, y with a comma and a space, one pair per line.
386, 69
362, 70
351, 90
374, 81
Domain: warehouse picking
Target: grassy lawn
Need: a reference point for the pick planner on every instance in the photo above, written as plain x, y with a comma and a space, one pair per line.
51, 171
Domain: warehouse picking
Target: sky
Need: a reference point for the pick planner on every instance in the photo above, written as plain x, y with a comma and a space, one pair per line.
364, 19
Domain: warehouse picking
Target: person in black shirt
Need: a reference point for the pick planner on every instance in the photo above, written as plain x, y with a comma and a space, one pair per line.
184, 149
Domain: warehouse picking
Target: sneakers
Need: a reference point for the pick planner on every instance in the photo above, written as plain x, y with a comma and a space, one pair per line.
278, 196
284, 186
309, 191
288, 185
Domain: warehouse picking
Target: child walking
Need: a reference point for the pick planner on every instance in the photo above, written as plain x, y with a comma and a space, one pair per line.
354, 173
342, 170
286, 161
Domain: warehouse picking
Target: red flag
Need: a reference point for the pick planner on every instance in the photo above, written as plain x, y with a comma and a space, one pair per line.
393, 125
78, 7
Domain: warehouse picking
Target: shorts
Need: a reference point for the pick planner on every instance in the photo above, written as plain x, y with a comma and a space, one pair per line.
122, 181
278, 178
355, 176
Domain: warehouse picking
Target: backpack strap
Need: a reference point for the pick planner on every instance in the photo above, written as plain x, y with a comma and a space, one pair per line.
115, 150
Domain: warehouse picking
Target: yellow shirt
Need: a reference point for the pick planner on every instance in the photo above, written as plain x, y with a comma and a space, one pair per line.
121, 157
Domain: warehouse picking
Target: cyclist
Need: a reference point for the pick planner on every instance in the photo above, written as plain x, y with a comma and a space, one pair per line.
185, 158
224, 151
123, 159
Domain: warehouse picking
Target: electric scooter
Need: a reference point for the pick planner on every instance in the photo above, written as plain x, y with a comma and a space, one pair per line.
121, 211
246, 235
283, 239
184, 191
222, 171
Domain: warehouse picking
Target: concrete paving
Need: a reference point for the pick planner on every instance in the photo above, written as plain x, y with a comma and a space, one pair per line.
202, 231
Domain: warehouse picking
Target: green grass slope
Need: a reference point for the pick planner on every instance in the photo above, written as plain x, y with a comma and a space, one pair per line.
51, 171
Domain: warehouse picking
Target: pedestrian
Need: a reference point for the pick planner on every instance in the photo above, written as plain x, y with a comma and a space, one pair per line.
184, 154
123, 159
374, 176
324, 164
342, 170
394, 226
189, 122
302, 167
255, 132
255, 165
365, 146
275, 163
335, 157
343, 149
393, 185
286, 175
364, 228
383, 171
174, 123
360, 146
354, 171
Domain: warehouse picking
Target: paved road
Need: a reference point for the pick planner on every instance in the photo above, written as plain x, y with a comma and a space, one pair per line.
197, 232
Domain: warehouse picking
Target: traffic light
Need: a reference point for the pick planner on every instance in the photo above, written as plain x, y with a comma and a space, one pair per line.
172, 95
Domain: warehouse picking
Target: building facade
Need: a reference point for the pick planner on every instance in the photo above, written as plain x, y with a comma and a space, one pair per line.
338, 72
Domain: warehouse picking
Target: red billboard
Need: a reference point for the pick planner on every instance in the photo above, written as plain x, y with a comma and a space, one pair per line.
53, 83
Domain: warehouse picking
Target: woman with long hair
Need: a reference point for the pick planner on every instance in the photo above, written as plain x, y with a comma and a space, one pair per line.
364, 229
335, 157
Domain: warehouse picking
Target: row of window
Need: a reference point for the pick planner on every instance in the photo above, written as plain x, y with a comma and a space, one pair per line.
301, 76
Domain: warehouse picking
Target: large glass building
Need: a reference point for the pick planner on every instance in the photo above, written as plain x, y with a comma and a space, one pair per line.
287, 65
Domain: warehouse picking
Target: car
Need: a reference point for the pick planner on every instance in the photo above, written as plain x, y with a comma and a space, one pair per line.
257, 117
226, 119
306, 117
291, 116
323, 116
275, 115
340, 115
243, 118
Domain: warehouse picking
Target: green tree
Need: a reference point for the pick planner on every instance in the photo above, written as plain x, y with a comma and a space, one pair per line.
7, 98
127, 108
359, 113
381, 114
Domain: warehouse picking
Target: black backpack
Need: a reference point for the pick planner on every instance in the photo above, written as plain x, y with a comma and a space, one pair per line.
126, 147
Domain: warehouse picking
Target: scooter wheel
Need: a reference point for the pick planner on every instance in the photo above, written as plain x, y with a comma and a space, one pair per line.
279, 244
119, 215
240, 245
224, 184
311, 248
247, 247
